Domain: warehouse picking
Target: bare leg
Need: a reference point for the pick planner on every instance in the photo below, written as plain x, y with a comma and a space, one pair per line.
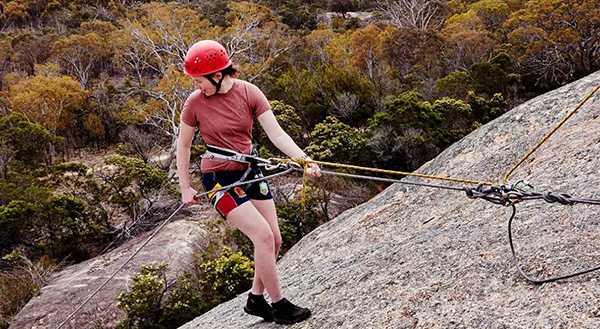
248, 219
268, 211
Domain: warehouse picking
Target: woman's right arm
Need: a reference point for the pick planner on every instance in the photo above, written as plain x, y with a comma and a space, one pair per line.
184, 144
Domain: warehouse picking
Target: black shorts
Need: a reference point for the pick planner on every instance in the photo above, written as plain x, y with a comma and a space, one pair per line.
227, 200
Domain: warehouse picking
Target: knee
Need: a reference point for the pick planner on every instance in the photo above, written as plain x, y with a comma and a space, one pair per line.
265, 240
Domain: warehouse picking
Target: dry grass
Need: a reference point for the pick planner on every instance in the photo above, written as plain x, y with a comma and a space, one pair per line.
20, 280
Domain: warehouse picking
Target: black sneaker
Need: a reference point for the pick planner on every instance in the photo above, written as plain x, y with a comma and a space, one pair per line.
257, 305
284, 312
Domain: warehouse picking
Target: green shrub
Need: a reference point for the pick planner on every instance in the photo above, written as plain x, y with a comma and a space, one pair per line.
68, 227
225, 277
454, 85
185, 302
143, 302
33, 146
336, 141
152, 302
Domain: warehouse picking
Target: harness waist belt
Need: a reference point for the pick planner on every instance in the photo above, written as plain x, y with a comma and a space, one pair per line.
231, 155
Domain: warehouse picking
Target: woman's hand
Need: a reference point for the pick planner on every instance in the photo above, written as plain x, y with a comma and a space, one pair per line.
187, 196
313, 170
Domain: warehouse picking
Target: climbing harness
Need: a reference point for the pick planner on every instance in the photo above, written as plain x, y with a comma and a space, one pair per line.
505, 194
213, 152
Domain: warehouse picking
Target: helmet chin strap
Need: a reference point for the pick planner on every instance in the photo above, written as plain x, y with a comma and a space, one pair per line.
216, 84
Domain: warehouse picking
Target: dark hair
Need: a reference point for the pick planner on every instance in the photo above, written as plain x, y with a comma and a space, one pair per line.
230, 71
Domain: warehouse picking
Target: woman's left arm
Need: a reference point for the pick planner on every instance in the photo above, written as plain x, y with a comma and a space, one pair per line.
283, 141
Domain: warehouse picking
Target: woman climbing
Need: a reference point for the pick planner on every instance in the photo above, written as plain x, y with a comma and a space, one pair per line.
223, 109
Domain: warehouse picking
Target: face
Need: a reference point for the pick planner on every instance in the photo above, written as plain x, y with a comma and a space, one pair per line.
204, 85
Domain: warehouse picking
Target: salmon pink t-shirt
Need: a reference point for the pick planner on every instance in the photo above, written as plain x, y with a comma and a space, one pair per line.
225, 120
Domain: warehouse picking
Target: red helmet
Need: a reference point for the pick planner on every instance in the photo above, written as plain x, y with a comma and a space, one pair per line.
206, 57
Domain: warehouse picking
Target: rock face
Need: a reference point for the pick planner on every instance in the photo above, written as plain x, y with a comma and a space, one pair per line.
416, 257
72, 286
